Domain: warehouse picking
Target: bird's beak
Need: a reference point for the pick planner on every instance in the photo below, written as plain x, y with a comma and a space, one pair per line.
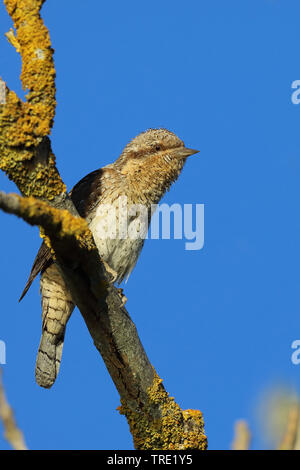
184, 152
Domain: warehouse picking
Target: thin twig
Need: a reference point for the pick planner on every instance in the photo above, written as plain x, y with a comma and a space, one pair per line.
11, 431
242, 436
289, 439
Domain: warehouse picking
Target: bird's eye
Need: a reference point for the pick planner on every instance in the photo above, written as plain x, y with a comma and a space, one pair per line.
157, 148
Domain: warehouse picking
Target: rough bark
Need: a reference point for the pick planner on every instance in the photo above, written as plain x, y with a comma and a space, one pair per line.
155, 420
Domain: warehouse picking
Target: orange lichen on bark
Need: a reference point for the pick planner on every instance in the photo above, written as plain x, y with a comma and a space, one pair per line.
40, 181
16, 159
26, 157
38, 73
59, 222
24, 127
173, 429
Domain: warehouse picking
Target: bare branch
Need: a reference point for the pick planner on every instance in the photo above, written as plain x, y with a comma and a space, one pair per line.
289, 439
11, 431
242, 436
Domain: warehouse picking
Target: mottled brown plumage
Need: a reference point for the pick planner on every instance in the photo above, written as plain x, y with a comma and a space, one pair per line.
142, 174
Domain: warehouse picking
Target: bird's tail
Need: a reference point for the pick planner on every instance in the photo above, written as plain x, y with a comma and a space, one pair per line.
48, 359
57, 307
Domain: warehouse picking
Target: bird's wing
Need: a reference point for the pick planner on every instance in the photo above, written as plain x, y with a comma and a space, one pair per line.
85, 195
42, 261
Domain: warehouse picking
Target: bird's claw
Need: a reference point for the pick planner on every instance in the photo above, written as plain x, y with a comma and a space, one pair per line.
122, 296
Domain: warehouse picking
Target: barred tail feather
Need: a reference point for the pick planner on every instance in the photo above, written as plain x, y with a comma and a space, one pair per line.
48, 359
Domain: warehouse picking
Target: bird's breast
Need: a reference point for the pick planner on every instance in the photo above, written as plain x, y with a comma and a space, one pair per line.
119, 231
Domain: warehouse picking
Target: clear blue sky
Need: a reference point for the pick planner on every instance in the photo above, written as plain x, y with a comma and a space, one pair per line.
217, 323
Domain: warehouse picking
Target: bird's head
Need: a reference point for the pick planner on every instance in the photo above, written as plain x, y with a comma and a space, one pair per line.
153, 145
152, 161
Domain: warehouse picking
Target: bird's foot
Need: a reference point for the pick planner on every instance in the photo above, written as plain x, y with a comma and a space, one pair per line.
122, 296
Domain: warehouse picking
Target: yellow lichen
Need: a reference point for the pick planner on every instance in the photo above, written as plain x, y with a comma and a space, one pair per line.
160, 424
25, 153
38, 73
24, 125
40, 181
56, 222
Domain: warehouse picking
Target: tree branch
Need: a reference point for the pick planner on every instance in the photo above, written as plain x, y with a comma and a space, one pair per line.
289, 440
155, 420
242, 436
11, 431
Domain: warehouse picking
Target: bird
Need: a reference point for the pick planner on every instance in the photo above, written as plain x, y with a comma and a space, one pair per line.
142, 174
